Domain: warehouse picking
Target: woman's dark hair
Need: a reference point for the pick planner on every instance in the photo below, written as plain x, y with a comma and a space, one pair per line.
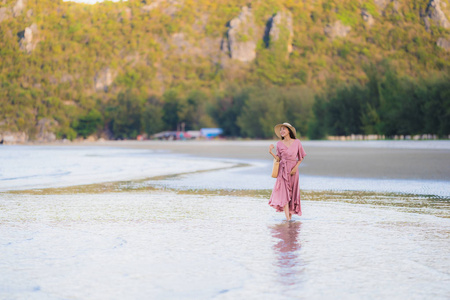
291, 134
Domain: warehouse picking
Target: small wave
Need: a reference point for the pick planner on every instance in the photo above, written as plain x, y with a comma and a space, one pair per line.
36, 176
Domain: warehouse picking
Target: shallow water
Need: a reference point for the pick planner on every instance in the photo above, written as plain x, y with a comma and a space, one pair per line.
210, 234
170, 245
31, 167
256, 177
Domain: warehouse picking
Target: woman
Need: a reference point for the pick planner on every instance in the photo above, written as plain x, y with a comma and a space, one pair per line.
286, 193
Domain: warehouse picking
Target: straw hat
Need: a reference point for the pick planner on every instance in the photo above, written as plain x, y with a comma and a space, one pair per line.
278, 127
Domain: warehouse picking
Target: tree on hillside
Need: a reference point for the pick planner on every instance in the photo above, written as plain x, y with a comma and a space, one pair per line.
89, 123
124, 114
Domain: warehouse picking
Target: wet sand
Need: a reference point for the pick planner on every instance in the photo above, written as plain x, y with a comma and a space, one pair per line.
424, 160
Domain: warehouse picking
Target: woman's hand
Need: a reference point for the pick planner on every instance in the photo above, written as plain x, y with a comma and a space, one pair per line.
293, 171
295, 168
270, 151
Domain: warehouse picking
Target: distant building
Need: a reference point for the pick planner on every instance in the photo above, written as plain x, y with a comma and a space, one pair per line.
165, 135
193, 134
210, 133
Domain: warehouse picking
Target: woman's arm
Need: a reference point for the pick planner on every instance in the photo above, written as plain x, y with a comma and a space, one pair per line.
301, 156
294, 169
270, 151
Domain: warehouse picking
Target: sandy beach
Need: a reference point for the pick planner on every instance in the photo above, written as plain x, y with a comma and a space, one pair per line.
190, 220
429, 160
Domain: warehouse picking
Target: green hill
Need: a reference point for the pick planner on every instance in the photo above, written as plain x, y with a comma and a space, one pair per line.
128, 68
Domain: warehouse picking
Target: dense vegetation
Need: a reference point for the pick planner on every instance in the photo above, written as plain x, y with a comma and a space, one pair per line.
386, 105
168, 66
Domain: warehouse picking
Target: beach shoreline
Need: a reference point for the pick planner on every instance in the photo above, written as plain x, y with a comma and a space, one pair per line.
419, 160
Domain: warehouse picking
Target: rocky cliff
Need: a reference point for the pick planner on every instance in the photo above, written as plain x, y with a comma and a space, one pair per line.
55, 53
242, 36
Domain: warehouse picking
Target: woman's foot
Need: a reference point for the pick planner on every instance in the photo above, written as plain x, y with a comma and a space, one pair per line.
287, 212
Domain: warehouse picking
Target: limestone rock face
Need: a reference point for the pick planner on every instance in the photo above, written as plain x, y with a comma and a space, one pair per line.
126, 14
381, 3
28, 38
443, 43
3, 14
180, 42
241, 36
211, 47
435, 13
104, 78
15, 11
368, 18
44, 134
66, 78
18, 8
9, 138
170, 7
188, 48
337, 29
396, 6
282, 30
150, 6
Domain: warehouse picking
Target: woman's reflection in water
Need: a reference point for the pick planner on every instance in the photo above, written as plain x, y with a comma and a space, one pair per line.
287, 250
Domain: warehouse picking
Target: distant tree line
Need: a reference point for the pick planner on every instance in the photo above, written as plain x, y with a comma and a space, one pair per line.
387, 104
241, 112
131, 114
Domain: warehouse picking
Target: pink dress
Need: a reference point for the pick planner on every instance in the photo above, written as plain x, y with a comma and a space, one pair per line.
286, 187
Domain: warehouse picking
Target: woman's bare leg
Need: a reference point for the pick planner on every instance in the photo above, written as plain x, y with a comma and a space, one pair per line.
286, 212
